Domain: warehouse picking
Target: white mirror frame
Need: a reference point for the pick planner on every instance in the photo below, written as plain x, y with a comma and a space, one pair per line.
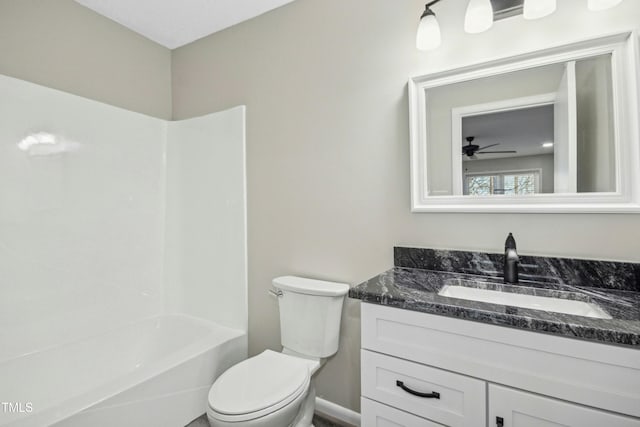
623, 47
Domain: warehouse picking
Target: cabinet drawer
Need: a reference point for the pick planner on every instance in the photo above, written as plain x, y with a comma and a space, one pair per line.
375, 414
520, 409
460, 401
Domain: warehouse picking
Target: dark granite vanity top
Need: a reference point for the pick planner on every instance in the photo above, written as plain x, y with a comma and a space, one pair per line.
419, 274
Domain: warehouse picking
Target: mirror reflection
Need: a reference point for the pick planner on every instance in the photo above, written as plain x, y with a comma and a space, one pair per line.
548, 129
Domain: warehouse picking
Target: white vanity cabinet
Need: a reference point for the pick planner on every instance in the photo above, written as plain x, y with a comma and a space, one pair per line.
426, 370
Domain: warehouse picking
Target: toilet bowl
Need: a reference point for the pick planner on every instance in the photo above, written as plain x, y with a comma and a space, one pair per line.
268, 390
276, 389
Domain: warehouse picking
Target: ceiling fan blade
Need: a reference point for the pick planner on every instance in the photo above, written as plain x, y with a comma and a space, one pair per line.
487, 146
495, 152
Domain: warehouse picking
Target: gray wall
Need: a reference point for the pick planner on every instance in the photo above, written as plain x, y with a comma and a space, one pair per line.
63, 45
324, 82
594, 103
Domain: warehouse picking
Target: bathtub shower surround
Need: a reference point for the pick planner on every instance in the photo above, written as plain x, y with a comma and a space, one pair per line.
109, 222
81, 217
205, 243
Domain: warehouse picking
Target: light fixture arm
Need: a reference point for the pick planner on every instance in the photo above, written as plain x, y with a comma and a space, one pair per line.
427, 8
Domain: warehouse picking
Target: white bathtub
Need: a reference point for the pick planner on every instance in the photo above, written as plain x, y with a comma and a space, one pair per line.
156, 372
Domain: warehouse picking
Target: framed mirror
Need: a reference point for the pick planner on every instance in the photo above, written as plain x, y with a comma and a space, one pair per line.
550, 131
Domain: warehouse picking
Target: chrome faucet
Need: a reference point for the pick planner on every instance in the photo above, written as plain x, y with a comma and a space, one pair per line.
511, 260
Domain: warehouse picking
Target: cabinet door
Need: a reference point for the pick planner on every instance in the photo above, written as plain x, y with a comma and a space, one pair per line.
375, 414
513, 408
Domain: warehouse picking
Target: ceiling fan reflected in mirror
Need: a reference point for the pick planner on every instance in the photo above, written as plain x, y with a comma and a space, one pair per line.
470, 150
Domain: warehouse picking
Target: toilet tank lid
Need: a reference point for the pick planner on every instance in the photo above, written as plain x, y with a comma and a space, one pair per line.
303, 285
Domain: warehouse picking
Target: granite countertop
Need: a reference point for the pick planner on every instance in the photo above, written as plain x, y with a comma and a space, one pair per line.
417, 289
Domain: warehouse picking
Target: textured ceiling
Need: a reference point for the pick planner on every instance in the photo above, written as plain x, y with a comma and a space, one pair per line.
174, 23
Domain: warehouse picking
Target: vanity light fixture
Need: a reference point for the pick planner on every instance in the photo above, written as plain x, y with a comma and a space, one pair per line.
479, 16
602, 4
428, 37
535, 9
547, 144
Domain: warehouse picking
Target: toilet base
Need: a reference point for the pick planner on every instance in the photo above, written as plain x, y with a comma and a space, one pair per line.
305, 416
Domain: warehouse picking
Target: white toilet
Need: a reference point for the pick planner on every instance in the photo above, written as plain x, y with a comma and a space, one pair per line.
276, 389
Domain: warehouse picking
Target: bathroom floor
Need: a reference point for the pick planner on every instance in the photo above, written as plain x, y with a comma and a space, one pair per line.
317, 422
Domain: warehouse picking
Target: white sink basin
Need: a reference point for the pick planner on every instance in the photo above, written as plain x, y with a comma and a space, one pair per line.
557, 305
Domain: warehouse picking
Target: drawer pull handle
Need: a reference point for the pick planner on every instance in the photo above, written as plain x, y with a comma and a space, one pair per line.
499, 422
432, 395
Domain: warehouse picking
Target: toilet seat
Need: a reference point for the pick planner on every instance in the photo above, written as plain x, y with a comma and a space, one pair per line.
258, 386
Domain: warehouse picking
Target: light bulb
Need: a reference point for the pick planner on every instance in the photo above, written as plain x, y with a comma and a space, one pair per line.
534, 9
479, 16
428, 37
602, 4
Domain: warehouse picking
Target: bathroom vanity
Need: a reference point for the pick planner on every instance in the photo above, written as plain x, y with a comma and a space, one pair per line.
429, 359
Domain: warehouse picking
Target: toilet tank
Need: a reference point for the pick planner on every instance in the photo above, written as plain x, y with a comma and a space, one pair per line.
310, 314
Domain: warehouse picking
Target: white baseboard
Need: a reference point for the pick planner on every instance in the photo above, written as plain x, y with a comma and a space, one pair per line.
337, 412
